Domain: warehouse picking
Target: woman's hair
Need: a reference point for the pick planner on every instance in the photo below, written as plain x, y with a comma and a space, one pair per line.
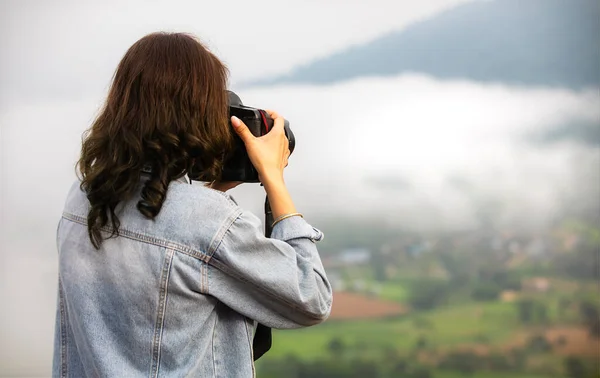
166, 110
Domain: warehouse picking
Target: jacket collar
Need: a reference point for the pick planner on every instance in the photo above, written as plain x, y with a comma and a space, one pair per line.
147, 170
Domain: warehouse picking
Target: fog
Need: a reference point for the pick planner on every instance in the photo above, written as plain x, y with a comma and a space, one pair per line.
426, 154
420, 153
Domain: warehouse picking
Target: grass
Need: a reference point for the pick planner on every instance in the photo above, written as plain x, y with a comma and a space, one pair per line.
443, 328
485, 374
394, 292
465, 323
312, 343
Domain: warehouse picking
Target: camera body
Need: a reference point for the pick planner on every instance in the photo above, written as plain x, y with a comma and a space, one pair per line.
237, 166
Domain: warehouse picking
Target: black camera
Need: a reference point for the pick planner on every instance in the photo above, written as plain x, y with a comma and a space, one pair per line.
237, 166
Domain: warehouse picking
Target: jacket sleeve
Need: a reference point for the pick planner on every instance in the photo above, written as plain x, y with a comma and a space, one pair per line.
278, 281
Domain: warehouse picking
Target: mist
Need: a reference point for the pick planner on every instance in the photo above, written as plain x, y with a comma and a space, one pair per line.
419, 153
426, 154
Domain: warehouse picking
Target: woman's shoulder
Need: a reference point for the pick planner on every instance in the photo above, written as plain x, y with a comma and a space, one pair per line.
191, 215
181, 199
198, 202
185, 194
76, 202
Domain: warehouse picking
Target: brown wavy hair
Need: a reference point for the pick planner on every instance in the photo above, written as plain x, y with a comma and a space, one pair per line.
166, 110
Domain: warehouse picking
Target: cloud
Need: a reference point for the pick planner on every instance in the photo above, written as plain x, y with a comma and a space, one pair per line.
356, 138
410, 146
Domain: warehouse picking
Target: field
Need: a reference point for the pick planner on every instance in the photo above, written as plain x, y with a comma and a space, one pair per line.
489, 374
567, 341
479, 328
352, 306
454, 306
448, 327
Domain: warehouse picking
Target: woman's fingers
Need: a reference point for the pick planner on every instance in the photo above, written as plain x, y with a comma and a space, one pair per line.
278, 121
241, 129
268, 153
272, 113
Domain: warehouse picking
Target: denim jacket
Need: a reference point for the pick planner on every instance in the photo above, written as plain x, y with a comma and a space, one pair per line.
180, 295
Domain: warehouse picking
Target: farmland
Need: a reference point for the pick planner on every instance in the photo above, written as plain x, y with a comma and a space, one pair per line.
487, 329
452, 313
351, 306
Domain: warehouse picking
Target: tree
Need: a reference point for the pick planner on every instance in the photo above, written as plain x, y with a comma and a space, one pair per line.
363, 369
588, 310
594, 328
563, 306
538, 344
541, 313
574, 367
525, 308
379, 266
591, 317
486, 291
336, 347
323, 369
498, 362
518, 358
428, 295
464, 362
421, 372
421, 343
400, 368
584, 263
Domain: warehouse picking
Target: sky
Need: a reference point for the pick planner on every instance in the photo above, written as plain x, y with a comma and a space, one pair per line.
69, 49
418, 152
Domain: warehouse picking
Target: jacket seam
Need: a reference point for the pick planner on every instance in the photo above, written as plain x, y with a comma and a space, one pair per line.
229, 198
196, 253
206, 278
251, 348
225, 269
214, 261
63, 332
202, 279
160, 315
225, 226
214, 355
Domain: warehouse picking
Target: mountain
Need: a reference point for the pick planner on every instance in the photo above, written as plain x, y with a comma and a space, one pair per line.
531, 42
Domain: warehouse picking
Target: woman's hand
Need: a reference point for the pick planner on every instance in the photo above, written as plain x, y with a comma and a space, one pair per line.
269, 153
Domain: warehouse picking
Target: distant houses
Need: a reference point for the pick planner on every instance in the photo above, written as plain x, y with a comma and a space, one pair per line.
349, 257
536, 285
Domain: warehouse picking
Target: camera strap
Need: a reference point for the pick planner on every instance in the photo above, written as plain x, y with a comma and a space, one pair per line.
263, 338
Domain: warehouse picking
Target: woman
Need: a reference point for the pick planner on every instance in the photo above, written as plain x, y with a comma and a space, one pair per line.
158, 277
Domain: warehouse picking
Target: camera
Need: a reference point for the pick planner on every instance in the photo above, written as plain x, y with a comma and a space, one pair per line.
237, 165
